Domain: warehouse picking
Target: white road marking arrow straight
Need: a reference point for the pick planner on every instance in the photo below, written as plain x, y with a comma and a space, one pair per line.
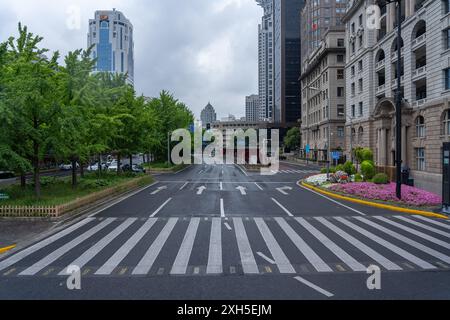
200, 190
159, 189
242, 190
283, 190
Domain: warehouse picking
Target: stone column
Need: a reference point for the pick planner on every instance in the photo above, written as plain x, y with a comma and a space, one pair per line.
383, 137
379, 147
391, 10
404, 147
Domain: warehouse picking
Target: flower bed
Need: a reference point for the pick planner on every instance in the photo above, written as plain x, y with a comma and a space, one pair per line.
387, 192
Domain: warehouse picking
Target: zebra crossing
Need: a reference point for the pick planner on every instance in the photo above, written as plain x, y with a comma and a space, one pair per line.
295, 171
213, 246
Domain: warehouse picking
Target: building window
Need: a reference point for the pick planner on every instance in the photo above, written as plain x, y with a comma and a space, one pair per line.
340, 74
353, 71
446, 6
360, 66
353, 111
340, 110
360, 85
360, 135
447, 78
340, 92
353, 27
340, 132
340, 58
353, 47
340, 42
360, 39
360, 109
353, 89
447, 38
446, 123
420, 127
420, 159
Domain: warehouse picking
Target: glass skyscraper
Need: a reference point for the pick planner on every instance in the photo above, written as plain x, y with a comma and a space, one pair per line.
111, 35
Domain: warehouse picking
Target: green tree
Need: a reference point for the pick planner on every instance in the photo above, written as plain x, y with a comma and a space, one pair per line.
292, 139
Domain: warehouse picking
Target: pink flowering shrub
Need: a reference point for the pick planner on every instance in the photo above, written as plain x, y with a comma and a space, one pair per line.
410, 196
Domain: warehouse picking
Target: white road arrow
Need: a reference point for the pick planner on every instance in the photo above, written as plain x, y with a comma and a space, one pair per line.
159, 189
200, 190
242, 190
283, 190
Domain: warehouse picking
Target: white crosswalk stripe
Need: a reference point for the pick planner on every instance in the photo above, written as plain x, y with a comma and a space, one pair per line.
363, 237
149, 258
437, 223
99, 246
34, 248
424, 226
41, 264
361, 246
114, 261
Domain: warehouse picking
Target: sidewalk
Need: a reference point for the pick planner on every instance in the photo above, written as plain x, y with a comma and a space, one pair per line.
16, 231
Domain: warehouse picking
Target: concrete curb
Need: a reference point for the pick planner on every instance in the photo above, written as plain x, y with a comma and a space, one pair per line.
5, 249
373, 204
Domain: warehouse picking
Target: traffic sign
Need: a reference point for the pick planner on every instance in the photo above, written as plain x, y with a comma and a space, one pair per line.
336, 155
4, 196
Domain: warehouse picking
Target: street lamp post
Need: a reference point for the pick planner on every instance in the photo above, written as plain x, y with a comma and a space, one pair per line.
398, 102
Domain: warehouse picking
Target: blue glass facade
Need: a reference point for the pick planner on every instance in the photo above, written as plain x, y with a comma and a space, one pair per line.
104, 48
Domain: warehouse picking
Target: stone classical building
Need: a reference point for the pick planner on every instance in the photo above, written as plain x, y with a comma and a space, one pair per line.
323, 100
425, 76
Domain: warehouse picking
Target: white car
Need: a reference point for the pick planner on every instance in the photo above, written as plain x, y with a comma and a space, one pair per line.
94, 167
67, 167
113, 166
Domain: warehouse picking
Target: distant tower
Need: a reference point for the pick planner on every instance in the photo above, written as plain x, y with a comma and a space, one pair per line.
208, 115
111, 33
252, 108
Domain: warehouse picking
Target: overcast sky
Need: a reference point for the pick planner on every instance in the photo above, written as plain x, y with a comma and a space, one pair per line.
200, 50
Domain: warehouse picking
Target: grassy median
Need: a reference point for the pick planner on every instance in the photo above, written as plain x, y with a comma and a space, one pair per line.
56, 191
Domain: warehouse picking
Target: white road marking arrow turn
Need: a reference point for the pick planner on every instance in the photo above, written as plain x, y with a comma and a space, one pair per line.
200, 190
242, 190
283, 190
159, 189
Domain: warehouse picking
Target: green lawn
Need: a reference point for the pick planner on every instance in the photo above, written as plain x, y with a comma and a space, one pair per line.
164, 166
56, 191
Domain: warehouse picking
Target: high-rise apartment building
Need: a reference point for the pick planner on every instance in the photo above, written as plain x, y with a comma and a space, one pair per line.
252, 108
265, 61
316, 17
287, 62
371, 84
111, 35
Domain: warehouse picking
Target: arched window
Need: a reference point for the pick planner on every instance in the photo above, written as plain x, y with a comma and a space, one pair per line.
380, 55
394, 45
419, 29
446, 123
420, 127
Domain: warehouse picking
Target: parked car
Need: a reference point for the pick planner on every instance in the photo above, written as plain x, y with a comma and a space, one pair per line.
67, 167
135, 168
113, 165
7, 175
94, 167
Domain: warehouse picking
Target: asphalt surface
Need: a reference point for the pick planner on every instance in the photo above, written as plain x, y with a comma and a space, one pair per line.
219, 232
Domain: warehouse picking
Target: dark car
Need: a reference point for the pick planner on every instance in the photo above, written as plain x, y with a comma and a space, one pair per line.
7, 175
136, 168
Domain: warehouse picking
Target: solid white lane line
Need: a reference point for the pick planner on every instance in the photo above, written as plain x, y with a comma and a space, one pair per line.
333, 247
184, 185
259, 187
182, 259
159, 190
160, 208
415, 232
247, 258
55, 255
215, 248
262, 255
424, 226
284, 209
125, 249
152, 253
221, 186
222, 209
437, 223
397, 250
282, 262
228, 226
389, 265
99, 246
334, 201
303, 247
242, 170
30, 250
404, 239
313, 286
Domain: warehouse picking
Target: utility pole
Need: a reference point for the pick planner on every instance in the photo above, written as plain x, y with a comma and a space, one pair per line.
328, 108
168, 149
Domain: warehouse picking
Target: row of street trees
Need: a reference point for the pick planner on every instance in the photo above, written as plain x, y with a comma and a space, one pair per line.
68, 113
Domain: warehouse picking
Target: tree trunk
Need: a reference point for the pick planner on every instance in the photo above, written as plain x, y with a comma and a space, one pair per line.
131, 161
74, 173
99, 169
81, 170
118, 163
36, 171
143, 158
23, 180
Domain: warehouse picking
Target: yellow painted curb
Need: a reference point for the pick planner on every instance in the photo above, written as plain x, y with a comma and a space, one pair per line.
373, 204
3, 250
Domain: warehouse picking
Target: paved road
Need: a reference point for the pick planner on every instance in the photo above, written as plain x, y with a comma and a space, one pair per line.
219, 232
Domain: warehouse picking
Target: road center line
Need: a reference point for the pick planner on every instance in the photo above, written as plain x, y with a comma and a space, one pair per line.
262, 255
313, 286
334, 201
160, 208
184, 185
221, 185
284, 209
222, 209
